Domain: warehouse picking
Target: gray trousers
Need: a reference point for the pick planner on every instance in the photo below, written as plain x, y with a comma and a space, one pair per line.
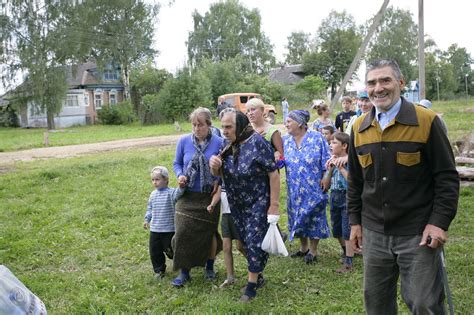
387, 257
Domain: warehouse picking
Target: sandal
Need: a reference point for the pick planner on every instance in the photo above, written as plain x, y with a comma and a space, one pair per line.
310, 258
180, 280
299, 254
227, 283
245, 298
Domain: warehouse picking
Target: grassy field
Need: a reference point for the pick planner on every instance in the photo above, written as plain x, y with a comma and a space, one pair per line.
71, 230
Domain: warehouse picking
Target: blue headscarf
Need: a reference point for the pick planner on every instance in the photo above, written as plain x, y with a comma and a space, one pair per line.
300, 116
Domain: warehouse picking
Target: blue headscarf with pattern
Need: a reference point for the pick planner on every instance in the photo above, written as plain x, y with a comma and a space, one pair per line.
300, 116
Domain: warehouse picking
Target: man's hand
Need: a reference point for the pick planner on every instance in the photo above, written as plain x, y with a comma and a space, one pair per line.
146, 225
437, 235
356, 238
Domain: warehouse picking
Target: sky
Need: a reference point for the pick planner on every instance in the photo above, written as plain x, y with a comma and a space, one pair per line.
446, 22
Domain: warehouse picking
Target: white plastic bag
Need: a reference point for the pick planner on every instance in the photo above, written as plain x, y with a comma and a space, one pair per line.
272, 242
15, 298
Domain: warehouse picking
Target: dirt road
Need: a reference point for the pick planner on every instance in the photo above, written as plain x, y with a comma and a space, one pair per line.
8, 158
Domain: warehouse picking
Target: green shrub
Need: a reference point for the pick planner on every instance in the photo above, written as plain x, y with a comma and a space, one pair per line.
119, 114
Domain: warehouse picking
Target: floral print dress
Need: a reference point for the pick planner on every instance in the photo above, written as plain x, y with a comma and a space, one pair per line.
248, 191
306, 201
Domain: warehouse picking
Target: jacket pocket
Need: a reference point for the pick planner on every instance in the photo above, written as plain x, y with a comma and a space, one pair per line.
408, 159
365, 160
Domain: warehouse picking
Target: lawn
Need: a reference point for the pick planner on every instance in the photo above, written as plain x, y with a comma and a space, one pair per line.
71, 230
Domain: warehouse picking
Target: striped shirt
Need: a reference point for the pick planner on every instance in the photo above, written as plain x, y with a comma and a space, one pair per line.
160, 209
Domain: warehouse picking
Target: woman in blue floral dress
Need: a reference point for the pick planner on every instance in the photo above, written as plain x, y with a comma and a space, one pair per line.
247, 165
306, 152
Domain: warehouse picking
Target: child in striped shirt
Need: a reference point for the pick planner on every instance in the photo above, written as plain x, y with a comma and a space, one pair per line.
159, 218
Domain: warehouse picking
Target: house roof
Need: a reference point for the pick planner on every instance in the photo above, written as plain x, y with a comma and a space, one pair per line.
287, 74
86, 74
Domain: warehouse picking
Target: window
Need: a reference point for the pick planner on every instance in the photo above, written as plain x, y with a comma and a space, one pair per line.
86, 99
112, 99
110, 75
98, 100
72, 100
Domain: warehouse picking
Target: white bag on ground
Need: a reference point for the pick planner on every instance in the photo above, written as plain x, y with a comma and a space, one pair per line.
272, 242
15, 298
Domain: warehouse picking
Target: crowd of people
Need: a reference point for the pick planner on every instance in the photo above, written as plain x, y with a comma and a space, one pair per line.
375, 166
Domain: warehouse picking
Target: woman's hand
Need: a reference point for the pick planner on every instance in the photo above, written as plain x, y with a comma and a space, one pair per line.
182, 180
273, 209
215, 163
210, 208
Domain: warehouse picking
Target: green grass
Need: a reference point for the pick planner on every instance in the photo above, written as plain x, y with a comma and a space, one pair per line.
458, 115
14, 139
71, 230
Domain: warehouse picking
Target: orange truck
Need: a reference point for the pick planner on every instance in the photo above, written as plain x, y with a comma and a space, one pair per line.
238, 101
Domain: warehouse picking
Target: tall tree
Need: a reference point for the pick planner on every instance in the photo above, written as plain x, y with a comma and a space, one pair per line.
179, 96
396, 38
113, 31
229, 30
461, 61
29, 44
146, 80
298, 44
338, 39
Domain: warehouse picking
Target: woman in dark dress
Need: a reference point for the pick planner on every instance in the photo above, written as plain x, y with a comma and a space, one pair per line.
247, 165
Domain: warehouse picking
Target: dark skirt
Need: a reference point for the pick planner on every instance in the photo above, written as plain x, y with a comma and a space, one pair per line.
195, 228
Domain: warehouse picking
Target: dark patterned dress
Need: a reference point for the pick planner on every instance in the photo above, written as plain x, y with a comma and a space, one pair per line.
248, 192
306, 201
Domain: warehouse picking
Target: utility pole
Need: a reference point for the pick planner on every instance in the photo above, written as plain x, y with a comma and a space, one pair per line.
421, 50
465, 82
359, 54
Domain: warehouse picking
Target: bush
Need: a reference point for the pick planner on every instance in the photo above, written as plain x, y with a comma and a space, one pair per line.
119, 114
8, 118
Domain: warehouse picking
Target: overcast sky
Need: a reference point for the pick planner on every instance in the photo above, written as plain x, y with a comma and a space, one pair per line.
447, 22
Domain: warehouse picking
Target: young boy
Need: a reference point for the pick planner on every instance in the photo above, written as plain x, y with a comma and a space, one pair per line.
159, 218
343, 118
337, 176
327, 132
229, 233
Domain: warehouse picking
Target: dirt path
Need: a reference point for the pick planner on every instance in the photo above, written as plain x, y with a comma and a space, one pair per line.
8, 158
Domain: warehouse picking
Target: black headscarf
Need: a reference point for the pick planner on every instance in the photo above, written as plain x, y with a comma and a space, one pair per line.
243, 130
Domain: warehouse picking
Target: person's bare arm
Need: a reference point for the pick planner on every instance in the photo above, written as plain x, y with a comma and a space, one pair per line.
277, 143
274, 177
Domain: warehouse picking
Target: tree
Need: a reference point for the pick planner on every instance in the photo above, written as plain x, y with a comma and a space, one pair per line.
461, 61
440, 79
396, 38
113, 31
338, 40
313, 86
229, 30
145, 80
298, 44
181, 95
30, 42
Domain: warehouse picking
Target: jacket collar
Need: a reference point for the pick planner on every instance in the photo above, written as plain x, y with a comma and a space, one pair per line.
406, 116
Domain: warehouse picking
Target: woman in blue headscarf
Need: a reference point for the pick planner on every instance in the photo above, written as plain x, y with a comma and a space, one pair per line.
306, 152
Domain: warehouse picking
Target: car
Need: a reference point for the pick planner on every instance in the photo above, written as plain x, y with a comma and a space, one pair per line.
238, 101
